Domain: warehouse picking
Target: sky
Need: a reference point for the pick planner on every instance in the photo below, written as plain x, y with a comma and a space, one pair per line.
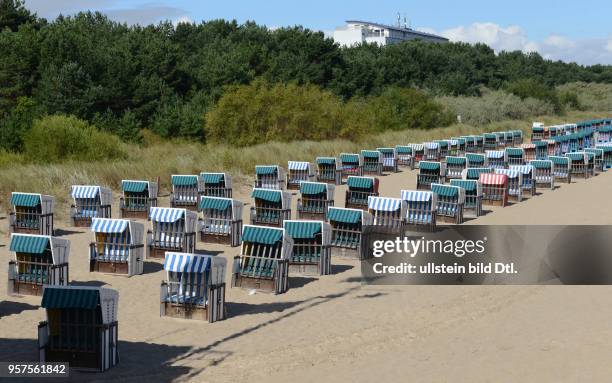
578, 31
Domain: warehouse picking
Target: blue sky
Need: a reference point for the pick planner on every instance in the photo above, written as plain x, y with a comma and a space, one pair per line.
572, 31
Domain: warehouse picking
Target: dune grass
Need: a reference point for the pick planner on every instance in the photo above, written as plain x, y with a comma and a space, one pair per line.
161, 159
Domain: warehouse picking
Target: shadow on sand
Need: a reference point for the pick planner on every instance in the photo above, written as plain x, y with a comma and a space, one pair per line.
10, 308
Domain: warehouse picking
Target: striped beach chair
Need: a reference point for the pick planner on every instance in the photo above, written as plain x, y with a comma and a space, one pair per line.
607, 155
528, 182
491, 141
479, 144
418, 151
515, 183
138, 197
420, 209
541, 149
372, 162
444, 148
299, 171
514, 156
36, 261
474, 173
216, 184
530, 152
454, 166
172, 229
562, 168
31, 213
311, 252
194, 287
470, 143
389, 157
271, 207
405, 156
431, 151
316, 198
220, 220
118, 246
329, 170
579, 164
537, 131
517, 137
476, 160
473, 196
543, 173
450, 203
263, 263
598, 155
347, 229
89, 202
494, 189
389, 213
270, 177
359, 190
495, 159
430, 172
351, 164
461, 144
186, 191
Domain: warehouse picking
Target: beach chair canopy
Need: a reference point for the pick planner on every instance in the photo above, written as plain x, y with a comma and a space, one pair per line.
308, 230
474, 173
32, 200
185, 180
528, 146
187, 263
476, 157
524, 169
472, 187
372, 155
217, 179
346, 215
301, 166
417, 147
560, 160
512, 174
386, 204
495, 154
515, 152
411, 196
92, 192
353, 159
273, 196
453, 160
442, 143
38, 244
404, 150
330, 161
267, 236
431, 145
83, 297
170, 215
317, 188
222, 204
432, 166
118, 226
365, 183
134, 186
490, 136
541, 164
449, 191
493, 179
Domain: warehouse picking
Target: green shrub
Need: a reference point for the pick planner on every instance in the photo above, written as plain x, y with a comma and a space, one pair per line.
529, 88
58, 138
591, 96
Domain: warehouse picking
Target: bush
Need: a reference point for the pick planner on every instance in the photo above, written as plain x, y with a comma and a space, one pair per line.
528, 88
596, 97
58, 138
16, 123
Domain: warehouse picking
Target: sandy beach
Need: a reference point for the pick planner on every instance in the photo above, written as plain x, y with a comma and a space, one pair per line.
334, 328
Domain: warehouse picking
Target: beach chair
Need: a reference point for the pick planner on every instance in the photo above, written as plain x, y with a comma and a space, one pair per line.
528, 182
444, 148
491, 141
543, 173
81, 327
118, 247
271, 207
217, 185
31, 213
311, 254
316, 198
474, 173
562, 145
37, 261
299, 171
537, 132
430, 172
186, 191
389, 157
572, 143
461, 145
470, 144
562, 168
372, 162
329, 170
579, 164
388, 213
418, 152
514, 156
553, 131
607, 155
604, 134
479, 144
431, 151
476, 160
89, 202
454, 166
138, 198
495, 159
172, 229
359, 189
420, 210
501, 139
541, 150
194, 287
450, 203
598, 155
263, 263
270, 177
221, 220
494, 189
551, 147
517, 137
351, 164
530, 152
515, 183
346, 230
591, 167
472, 207
405, 156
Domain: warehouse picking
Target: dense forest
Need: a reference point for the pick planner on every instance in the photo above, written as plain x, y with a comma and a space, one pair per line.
207, 81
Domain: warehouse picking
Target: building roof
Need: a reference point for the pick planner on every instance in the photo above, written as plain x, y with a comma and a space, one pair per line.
401, 29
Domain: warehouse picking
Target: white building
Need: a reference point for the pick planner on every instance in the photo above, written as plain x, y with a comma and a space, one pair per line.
357, 32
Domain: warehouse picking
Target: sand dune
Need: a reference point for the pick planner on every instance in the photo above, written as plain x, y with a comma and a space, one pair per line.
336, 329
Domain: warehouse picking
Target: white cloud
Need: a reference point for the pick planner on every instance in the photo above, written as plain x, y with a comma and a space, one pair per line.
182, 19
553, 47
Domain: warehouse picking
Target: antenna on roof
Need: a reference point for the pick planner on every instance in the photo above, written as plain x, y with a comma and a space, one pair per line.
405, 23
398, 20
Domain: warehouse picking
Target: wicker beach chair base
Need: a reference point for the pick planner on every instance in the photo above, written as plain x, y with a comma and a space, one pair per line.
109, 267
137, 214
